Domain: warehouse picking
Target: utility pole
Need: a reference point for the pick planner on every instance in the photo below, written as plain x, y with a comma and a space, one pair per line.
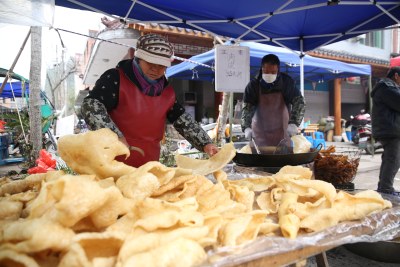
34, 91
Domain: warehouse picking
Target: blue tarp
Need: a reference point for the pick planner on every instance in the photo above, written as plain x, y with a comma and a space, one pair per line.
18, 84
18, 88
315, 69
299, 25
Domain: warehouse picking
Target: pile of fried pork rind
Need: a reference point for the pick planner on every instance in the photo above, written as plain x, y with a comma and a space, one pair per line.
112, 214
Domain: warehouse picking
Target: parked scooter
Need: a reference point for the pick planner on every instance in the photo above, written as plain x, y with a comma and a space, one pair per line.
359, 121
361, 132
366, 141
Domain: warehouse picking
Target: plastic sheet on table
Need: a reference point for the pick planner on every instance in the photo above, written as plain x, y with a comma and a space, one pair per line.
379, 226
235, 172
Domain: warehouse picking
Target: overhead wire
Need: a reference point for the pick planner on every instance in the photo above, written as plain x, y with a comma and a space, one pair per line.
125, 45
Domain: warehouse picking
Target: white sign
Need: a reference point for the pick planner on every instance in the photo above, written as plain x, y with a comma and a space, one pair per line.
232, 68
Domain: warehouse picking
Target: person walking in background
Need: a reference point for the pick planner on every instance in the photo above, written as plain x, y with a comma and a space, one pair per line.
273, 106
134, 100
386, 127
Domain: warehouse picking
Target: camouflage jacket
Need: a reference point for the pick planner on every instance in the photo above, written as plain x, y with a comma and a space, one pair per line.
104, 98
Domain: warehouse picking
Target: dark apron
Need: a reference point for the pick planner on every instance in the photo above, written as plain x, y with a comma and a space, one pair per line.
270, 120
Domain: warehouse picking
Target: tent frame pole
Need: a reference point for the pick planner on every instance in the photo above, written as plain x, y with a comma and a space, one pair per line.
230, 115
301, 74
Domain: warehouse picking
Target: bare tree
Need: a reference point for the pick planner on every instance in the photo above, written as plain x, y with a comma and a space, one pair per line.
34, 95
56, 79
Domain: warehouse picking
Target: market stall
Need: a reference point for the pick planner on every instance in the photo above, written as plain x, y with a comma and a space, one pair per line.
56, 199
200, 213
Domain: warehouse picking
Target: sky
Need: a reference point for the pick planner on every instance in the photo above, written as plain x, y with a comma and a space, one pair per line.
12, 37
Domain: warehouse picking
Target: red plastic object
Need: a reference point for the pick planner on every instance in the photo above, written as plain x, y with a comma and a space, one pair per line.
395, 62
44, 163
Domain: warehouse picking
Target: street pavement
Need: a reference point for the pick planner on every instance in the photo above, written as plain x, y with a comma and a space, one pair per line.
368, 170
366, 178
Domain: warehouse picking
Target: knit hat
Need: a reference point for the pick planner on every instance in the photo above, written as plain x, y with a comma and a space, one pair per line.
155, 49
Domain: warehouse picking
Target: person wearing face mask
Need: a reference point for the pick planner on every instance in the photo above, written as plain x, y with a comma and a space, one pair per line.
386, 127
134, 100
273, 107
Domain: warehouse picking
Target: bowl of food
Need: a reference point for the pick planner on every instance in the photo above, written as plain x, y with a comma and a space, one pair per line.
336, 167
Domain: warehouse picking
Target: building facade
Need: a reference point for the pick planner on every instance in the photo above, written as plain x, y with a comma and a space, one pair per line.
374, 48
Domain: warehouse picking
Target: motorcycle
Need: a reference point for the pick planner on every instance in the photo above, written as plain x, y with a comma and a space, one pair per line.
366, 141
361, 132
357, 123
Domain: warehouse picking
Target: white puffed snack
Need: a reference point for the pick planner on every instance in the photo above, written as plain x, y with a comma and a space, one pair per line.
300, 144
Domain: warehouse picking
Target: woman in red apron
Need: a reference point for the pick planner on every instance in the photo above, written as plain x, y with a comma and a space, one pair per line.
273, 107
135, 100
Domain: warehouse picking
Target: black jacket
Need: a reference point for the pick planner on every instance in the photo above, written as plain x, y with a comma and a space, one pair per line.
386, 109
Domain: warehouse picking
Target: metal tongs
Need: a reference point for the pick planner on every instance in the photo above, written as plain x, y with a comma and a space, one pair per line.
255, 146
282, 147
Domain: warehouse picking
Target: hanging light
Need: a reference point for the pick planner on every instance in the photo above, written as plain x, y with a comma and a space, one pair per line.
292, 65
333, 2
335, 71
195, 74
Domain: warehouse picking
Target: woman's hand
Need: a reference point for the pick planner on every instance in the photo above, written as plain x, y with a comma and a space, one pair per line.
211, 149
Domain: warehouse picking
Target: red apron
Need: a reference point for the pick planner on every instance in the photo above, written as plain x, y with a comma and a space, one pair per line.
270, 120
141, 119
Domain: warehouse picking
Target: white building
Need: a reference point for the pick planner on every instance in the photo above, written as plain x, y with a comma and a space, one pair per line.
375, 49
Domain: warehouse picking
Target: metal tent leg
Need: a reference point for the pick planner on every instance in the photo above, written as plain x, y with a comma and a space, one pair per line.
322, 260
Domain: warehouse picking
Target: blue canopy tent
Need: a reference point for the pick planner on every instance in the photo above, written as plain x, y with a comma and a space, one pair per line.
17, 83
315, 69
300, 25
19, 88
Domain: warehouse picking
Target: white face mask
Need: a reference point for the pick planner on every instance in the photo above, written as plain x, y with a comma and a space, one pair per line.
269, 78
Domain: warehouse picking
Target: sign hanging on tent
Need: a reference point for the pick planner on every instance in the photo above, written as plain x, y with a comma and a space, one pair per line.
232, 68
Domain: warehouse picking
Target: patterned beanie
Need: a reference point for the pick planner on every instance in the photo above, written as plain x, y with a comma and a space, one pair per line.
155, 49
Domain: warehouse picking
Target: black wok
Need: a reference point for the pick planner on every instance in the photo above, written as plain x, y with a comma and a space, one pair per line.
267, 158
383, 251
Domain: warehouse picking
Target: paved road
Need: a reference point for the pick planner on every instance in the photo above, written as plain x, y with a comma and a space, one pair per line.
368, 169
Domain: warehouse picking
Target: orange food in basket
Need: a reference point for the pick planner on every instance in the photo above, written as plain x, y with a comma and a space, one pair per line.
336, 167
